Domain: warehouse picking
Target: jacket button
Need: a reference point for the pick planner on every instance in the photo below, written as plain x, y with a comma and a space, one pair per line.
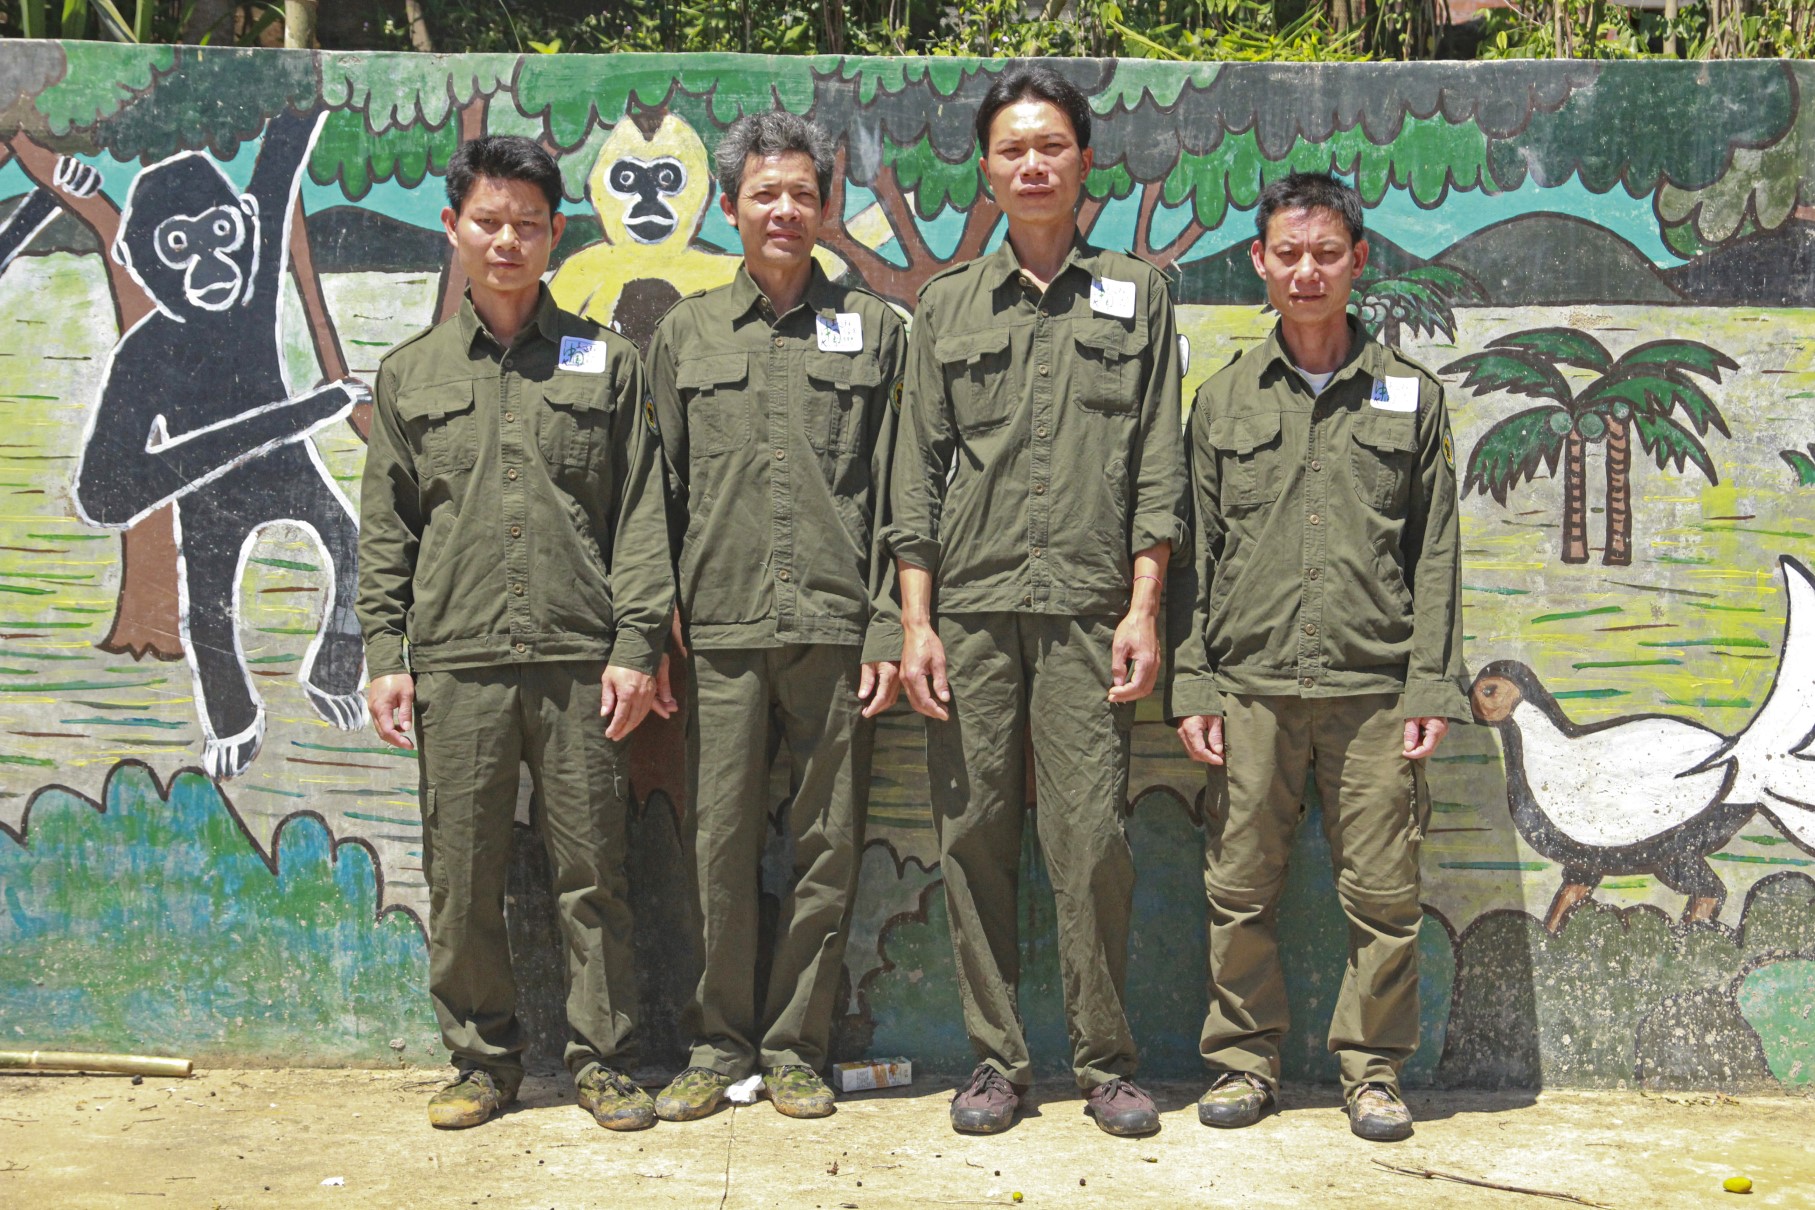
1043, 371
1040, 432
781, 455
522, 647
783, 575
1039, 489
1314, 573
511, 473
516, 531
1037, 552
1315, 519
779, 342
1310, 628
518, 590
1316, 465
1027, 599
1308, 681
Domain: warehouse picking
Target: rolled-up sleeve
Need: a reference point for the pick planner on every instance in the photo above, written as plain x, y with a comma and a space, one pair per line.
1161, 504
923, 450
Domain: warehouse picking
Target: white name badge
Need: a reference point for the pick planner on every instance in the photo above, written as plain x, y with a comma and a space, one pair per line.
582, 356
1395, 394
1111, 297
840, 333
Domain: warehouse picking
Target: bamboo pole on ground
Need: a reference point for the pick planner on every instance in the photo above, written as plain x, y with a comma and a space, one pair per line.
75, 1060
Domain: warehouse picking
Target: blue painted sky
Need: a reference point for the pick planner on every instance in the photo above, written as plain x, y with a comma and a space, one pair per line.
1424, 233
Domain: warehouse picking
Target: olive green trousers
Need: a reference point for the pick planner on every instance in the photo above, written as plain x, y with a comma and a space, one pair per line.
1375, 809
474, 727
1016, 675
743, 701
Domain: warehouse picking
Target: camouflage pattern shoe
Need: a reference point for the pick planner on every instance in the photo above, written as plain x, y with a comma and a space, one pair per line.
1235, 1099
475, 1096
798, 1092
693, 1094
614, 1100
1377, 1114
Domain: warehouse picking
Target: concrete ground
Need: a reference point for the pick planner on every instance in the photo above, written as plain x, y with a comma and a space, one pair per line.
360, 1138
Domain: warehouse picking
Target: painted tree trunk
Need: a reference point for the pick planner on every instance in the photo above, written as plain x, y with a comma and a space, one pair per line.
1619, 493
453, 278
322, 333
145, 613
1575, 500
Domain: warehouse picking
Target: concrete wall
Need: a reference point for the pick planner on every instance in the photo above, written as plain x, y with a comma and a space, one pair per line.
195, 858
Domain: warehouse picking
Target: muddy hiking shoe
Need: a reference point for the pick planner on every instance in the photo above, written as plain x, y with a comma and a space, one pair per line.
1376, 1113
798, 1092
1122, 1107
693, 1094
614, 1100
475, 1096
986, 1104
1235, 1099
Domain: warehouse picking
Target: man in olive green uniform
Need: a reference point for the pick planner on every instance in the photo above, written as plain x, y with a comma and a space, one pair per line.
1039, 491
776, 399
1317, 628
515, 589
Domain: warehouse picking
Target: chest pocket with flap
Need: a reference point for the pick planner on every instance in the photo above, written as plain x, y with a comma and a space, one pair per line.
575, 426
440, 424
1249, 449
1382, 459
976, 378
715, 392
839, 388
1107, 376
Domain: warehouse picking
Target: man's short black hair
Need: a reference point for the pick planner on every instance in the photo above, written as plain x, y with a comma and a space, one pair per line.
503, 157
1310, 191
1037, 82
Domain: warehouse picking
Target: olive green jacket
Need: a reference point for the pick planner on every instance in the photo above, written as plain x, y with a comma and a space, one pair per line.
513, 501
1326, 558
781, 431
1041, 444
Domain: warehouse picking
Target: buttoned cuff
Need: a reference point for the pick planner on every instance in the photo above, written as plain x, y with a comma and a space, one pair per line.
1435, 699
1152, 528
384, 656
1189, 695
637, 650
882, 641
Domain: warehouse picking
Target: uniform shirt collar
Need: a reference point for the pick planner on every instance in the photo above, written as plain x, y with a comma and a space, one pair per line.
547, 319
820, 294
1001, 265
1361, 355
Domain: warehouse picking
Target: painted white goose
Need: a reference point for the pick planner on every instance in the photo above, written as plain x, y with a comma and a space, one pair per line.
1650, 793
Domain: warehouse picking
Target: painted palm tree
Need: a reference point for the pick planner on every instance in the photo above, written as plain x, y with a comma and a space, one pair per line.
1423, 299
1642, 391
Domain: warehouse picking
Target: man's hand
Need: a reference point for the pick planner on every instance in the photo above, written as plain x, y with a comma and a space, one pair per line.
923, 672
1135, 657
665, 703
1422, 735
391, 700
625, 698
879, 686
1202, 735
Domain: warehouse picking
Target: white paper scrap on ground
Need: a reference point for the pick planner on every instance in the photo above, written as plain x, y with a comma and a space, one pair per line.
746, 1092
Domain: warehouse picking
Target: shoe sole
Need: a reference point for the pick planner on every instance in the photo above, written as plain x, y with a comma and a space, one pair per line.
1396, 1135
1128, 1132
982, 1126
803, 1111
1204, 1117
686, 1113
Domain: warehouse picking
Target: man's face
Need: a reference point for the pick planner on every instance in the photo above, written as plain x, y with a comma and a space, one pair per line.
1033, 163
1309, 264
503, 234
777, 210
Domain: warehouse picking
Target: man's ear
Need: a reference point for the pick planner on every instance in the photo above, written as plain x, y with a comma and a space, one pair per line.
1361, 257
729, 206
449, 221
1257, 253
556, 226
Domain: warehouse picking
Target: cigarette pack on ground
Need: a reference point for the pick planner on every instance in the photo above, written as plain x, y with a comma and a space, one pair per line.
874, 1073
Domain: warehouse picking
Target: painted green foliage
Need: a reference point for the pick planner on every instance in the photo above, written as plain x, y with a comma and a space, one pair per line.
183, 110
1606, 1000
348, 151
570, 95
98, 81
152, 920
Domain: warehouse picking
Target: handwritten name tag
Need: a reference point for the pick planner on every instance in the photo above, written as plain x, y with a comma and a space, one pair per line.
1111, 297
582, 356
840, 333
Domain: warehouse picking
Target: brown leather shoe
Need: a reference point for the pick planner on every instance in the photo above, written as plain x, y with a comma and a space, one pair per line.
1122, 1107
986, 1104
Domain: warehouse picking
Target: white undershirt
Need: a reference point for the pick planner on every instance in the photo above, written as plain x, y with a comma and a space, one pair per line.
1318, 381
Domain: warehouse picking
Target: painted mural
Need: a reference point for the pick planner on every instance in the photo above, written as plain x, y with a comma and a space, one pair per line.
204, 253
